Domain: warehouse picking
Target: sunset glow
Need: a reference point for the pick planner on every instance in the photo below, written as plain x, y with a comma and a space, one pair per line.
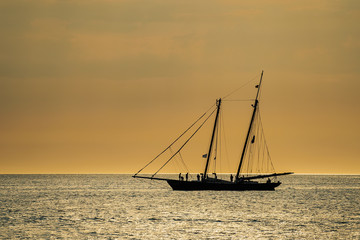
104, 86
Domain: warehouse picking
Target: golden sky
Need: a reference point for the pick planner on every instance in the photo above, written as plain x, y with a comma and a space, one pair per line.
102, 86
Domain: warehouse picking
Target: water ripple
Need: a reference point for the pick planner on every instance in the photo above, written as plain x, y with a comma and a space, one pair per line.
119, 207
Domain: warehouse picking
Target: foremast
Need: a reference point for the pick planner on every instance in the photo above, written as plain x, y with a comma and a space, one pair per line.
255, 106
218, 104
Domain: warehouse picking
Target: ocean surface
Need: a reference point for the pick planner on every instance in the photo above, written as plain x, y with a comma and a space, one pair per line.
120, 207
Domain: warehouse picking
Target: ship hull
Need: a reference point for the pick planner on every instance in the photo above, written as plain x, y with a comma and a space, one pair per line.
221, 186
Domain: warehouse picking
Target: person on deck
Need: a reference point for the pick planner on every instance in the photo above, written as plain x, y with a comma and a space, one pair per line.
198, 177
187, 176
231, 177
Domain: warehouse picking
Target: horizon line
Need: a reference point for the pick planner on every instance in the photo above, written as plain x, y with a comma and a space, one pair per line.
159, 174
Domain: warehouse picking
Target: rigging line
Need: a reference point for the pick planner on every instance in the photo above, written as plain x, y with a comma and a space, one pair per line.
182, 160
220, 147
258, 141
252, 156
175, 140
179, 166
216, 143
266, 146
249, 159
225, 143
241, 86
252, 146
262, 149
267, 159
184, 143
263, 153
264, 161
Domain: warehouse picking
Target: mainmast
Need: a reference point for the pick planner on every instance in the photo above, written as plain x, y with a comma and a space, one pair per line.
250, 127
218, 103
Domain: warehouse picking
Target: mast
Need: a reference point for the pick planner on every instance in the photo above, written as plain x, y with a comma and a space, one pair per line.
218, 103
250, 127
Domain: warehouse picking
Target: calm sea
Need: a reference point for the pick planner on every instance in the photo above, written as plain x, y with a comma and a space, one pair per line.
120, 207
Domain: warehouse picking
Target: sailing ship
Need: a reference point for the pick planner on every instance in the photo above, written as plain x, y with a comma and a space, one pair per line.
240, 181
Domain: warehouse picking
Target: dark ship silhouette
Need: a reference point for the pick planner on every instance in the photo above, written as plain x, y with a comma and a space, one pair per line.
238, 182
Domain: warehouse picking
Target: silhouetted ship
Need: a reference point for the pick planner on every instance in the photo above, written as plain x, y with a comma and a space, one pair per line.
240, 181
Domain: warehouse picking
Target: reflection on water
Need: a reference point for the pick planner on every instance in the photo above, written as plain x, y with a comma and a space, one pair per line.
120, 207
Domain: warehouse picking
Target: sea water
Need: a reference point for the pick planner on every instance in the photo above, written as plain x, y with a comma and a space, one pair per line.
120, 207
